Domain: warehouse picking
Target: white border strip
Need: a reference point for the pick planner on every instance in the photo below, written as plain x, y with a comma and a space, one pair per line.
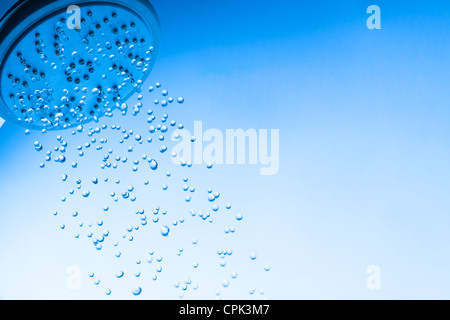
1, 122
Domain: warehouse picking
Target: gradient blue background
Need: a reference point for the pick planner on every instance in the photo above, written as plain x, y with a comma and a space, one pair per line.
364, 153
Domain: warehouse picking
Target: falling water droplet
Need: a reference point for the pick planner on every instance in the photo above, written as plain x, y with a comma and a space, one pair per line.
119, 274
137, 291
153, 164
165, 231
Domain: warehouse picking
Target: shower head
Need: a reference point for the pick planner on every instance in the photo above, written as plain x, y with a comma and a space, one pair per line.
64, 63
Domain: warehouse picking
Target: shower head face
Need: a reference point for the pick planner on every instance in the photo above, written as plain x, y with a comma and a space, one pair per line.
56, 76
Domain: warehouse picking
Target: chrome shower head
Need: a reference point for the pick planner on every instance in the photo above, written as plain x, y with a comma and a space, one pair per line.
67, 62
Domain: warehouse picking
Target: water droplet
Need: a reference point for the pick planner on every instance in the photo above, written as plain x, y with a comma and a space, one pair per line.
137, 291
153, 164
119, 274
165, 231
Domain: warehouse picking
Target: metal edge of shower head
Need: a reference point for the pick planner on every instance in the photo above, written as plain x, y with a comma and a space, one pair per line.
24, 14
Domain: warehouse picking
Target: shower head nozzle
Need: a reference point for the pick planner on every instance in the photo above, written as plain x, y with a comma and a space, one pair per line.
64, 63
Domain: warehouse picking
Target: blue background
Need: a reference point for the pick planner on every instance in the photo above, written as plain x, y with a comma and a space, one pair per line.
364, 153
